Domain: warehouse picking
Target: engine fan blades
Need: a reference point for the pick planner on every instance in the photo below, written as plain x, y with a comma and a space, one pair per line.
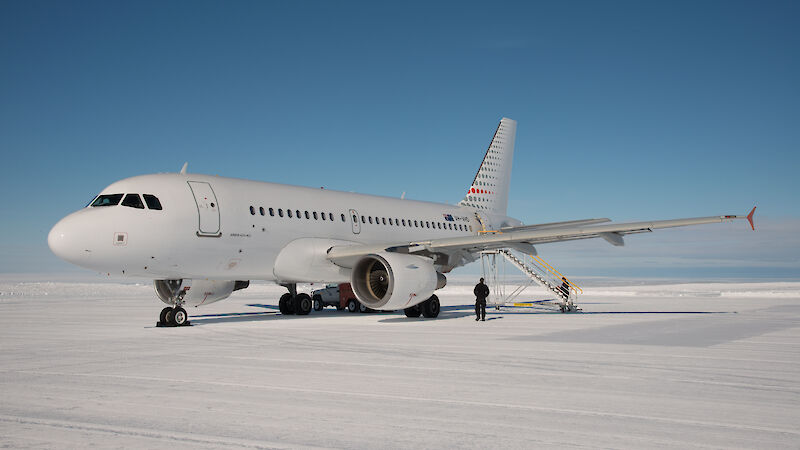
378, 281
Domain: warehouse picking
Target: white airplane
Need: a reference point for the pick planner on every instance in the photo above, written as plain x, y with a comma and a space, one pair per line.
202, 237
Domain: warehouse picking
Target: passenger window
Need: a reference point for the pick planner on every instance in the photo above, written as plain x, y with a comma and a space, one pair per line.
363, 220
342, 217
323, 216
152, 201
272, 212
306, 214
289, 213
427, 224
370, 219
330, 216
107, 200
298, 214
404, 222
261, 210
133, 201
355, 219
315, 215
383, 219
390, 221
252, 211
415, 224
280, 212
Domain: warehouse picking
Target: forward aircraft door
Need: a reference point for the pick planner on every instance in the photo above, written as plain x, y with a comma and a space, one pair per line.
356, 223
207, 208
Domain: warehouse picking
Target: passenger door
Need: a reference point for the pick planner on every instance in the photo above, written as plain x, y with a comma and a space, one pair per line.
207, 209
356, 224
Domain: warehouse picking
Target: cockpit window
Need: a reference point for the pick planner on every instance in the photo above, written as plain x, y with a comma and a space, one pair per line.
107, 200
133, 201
152, 201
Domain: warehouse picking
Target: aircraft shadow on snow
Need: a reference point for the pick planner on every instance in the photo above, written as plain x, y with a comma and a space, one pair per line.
447, 313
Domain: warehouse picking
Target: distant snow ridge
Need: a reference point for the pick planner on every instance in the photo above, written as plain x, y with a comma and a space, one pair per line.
71, 290
778, 289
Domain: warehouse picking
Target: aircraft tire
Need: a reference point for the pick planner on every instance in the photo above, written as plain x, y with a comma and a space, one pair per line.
168, 318
163, 316
431, 307
302, 304
285, 304
414, 311
179, 317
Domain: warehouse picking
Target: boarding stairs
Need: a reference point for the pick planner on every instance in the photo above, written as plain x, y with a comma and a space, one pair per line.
536, 270
542, 273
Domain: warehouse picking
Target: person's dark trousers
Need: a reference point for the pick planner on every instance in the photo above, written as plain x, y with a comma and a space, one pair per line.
480, 309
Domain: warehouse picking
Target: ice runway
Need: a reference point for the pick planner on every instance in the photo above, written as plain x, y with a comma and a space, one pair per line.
705, 365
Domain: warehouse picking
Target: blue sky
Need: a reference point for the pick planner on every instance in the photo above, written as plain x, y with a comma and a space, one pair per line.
628, 110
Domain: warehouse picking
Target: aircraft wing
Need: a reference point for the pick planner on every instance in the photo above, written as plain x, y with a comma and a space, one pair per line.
522, 239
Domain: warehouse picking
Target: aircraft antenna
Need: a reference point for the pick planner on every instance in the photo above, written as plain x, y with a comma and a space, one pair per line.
183, 169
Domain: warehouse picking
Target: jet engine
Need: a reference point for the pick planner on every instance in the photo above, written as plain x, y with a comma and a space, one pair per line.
391, 281
196, 292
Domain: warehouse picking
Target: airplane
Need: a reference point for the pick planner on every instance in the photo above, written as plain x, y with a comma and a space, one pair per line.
202, 237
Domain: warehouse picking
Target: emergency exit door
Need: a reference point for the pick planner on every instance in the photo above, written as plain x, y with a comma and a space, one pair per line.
207, 208
356, 223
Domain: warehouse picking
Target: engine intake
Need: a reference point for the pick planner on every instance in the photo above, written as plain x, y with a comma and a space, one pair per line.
391, 281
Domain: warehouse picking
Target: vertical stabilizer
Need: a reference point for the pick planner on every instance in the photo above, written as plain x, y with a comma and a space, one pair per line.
489, 189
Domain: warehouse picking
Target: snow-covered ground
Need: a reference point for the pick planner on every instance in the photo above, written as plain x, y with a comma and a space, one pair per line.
644, 366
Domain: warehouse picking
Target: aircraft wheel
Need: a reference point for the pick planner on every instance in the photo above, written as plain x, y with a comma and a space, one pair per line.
414, 311
352, 305
285, 304
302, 304
163, 316
317, 303
168, 316
179, 317
431, 307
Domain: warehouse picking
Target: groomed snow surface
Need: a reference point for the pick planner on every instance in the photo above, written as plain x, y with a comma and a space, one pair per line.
643, 366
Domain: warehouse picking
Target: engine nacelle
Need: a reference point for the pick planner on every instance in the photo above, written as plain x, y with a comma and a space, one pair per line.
196, 292
391, 281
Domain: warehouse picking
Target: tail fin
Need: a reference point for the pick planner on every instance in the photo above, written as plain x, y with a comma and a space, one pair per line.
489, 190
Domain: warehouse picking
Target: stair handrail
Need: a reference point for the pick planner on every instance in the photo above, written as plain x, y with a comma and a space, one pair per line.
557, 274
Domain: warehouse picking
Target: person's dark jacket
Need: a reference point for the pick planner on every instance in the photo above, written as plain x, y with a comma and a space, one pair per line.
481, 291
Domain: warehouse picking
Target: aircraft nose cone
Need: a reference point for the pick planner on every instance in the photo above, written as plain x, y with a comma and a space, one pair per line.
64, 241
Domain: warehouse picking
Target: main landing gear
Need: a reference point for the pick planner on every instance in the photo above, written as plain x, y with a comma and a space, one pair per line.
429, 308
294, 303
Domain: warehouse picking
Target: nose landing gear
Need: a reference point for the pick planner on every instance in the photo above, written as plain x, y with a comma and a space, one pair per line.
173, 317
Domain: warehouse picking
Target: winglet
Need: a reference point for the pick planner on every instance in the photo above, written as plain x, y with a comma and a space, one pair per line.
183, 169
750, 218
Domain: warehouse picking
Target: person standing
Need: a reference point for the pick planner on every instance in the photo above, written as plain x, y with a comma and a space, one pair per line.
481, 291
564, 288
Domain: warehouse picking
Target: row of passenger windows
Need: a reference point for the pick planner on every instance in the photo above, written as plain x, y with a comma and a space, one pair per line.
364, 219
130, 200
